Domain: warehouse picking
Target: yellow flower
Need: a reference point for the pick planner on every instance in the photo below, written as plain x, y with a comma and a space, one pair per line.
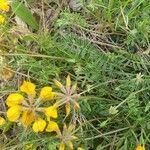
51, 112
52, 126
28, 88
28, 117
139, 147
13, 113
2, 19
4, 5
46, 93
39, 125
2, 121
14, 99
80, 148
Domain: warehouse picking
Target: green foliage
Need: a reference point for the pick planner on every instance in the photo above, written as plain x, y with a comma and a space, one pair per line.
127, 20
70, 19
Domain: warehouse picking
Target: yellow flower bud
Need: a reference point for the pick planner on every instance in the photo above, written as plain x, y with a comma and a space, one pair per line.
57, 83
27, 117
2, 121
76, 105
71, 127
2, 19
51, 112
39, 125
28, 147
13, 113
80, 148
14, 99
28, 88
68, 109
70, 145
74, 87
46, 93
62, 146
68, 81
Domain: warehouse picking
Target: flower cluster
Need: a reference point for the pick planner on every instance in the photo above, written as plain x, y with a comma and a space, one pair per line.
68, 95
40, 110
29, 109
4, 7
66, 137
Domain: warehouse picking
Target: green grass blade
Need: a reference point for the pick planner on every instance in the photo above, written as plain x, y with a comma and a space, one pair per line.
25, 14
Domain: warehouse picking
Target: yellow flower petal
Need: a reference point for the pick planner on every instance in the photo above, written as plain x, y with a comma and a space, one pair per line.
14, 99
57, 83
52, 126
4, 5
80, 148
13, 113
2, 121
46, 93
68, 81
2, 19
28, 88
68, 109
61, 146
139, 147
39, 125
27, 117
51, 112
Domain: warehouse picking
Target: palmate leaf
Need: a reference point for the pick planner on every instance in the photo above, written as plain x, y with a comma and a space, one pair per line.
24, 14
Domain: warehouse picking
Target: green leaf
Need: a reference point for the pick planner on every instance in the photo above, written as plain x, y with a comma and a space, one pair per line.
24, 14
147, 108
